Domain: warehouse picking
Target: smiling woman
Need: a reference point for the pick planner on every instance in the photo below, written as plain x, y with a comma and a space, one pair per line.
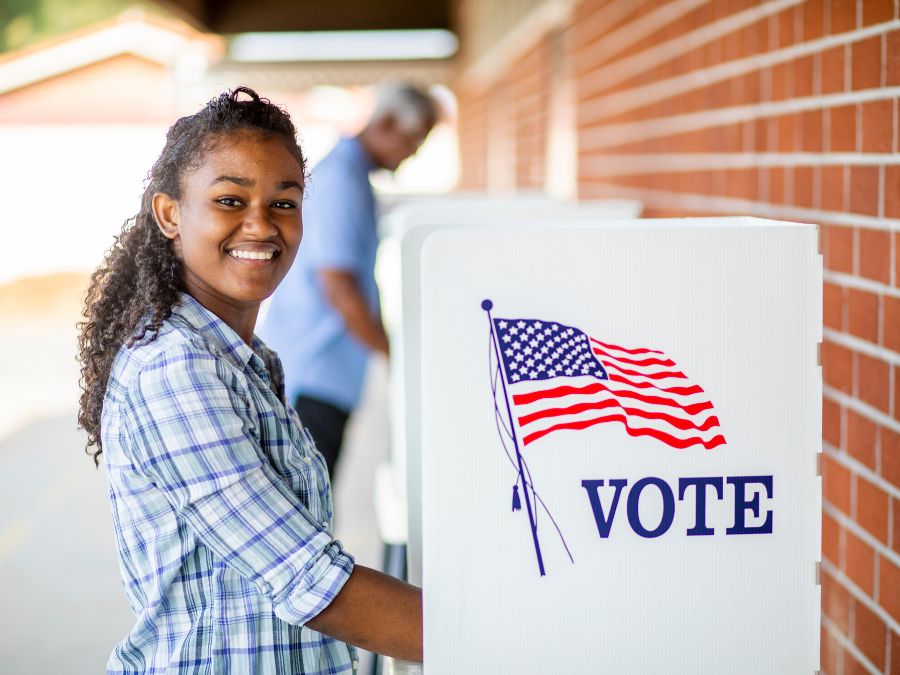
221, 502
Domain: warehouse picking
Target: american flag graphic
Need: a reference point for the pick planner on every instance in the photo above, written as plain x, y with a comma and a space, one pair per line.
560, 378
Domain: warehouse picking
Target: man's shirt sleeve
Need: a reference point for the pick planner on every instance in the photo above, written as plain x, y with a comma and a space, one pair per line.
192, 433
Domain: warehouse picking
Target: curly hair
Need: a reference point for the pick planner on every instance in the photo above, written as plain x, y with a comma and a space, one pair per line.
139, 281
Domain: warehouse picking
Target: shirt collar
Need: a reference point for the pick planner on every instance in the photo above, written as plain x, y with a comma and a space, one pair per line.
219, 335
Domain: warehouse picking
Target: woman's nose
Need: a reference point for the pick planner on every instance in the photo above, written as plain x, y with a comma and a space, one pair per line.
258, 219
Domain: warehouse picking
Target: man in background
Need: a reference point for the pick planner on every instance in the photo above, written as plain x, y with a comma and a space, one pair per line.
324, 319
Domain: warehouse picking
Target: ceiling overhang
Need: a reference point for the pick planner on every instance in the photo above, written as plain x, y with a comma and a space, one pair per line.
236, 16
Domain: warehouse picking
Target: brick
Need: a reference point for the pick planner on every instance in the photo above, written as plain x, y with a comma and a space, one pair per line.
830, 652
812, 19
782, 86
861, 436
804, 84
837, 366
872, 511
864, 190
876, 11
842, 137
892, 74
836, 483
803, 186
889, 587
833, 70
875, 255
873, 382
859, 563
831, 422
895, 653
839, 247
892, 198
842, 16
891, 323
811, 131
871, 635
776, 185
786, 32
877, 126
832, 190
831, 532
890, 455
897, 392
787, 133
833, 305
895, 540
836, 602
866, 63
862, 314
896, 254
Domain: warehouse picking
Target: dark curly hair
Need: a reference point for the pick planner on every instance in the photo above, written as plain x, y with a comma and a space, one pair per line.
133, 291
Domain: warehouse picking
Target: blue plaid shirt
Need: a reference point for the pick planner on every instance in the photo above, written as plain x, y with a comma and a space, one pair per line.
222, 508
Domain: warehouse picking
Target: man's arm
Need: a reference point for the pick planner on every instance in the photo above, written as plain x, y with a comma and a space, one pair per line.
342, 292
376, 612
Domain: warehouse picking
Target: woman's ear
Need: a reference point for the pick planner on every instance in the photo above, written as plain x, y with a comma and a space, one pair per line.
165, 212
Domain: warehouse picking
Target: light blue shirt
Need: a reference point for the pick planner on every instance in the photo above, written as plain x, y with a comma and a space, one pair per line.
321, 358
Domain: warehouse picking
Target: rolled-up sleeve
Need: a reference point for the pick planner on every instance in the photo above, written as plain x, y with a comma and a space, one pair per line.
193, 435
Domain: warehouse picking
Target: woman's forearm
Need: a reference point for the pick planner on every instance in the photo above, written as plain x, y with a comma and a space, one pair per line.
376, 612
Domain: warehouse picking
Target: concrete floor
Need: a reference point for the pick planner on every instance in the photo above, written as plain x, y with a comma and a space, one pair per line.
62, 605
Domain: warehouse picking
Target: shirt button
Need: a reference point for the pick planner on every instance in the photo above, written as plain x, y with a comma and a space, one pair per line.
355, 664
307, 459
325, 523
266, 587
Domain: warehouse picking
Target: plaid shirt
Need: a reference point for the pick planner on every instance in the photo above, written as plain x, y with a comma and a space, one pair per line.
222, 508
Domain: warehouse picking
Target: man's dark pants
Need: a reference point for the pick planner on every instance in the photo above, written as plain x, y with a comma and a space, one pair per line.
326, 424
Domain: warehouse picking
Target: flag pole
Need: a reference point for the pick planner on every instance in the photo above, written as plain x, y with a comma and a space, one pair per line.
487, 305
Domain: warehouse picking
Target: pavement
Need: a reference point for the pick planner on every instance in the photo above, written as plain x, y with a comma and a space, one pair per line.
63, 607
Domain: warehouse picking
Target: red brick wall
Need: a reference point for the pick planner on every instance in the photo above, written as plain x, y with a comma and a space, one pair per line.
784, 109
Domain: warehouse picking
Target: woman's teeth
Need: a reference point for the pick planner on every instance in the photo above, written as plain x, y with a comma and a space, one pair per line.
252, 255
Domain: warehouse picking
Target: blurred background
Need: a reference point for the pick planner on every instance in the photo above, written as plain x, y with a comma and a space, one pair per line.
779, 108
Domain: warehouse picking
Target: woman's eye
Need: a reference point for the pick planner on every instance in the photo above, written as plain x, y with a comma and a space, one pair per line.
228, 201
285, 205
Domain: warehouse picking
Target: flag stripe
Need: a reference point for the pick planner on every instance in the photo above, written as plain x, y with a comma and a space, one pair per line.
683, 391
668, 439
678, 422
635, 362
661, 375
691, 409
640, 350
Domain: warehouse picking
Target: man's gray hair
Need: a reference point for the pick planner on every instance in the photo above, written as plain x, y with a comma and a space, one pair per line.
412, 108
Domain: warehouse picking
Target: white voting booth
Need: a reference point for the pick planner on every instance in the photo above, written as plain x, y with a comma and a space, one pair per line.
398, 485
620, 427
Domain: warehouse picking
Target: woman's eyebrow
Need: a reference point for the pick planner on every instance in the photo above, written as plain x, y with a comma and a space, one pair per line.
286, 184
243, 182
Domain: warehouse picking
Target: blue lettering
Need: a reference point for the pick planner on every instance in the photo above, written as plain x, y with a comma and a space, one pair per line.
593, 490
701, 483
668, 514
742, 504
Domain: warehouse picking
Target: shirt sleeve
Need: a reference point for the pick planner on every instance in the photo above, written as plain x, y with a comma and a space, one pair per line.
334, 216
188, 416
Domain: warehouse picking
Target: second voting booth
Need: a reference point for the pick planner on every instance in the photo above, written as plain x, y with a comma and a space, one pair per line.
620, 426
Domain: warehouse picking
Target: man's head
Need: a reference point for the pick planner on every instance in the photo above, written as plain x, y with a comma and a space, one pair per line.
403, 117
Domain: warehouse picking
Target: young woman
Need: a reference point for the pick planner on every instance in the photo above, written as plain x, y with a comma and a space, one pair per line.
221, 503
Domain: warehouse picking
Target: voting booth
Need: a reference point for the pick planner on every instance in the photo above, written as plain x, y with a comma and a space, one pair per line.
620, 428
404, 230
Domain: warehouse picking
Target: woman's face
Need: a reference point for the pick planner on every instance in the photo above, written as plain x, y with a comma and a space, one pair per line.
237, 225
